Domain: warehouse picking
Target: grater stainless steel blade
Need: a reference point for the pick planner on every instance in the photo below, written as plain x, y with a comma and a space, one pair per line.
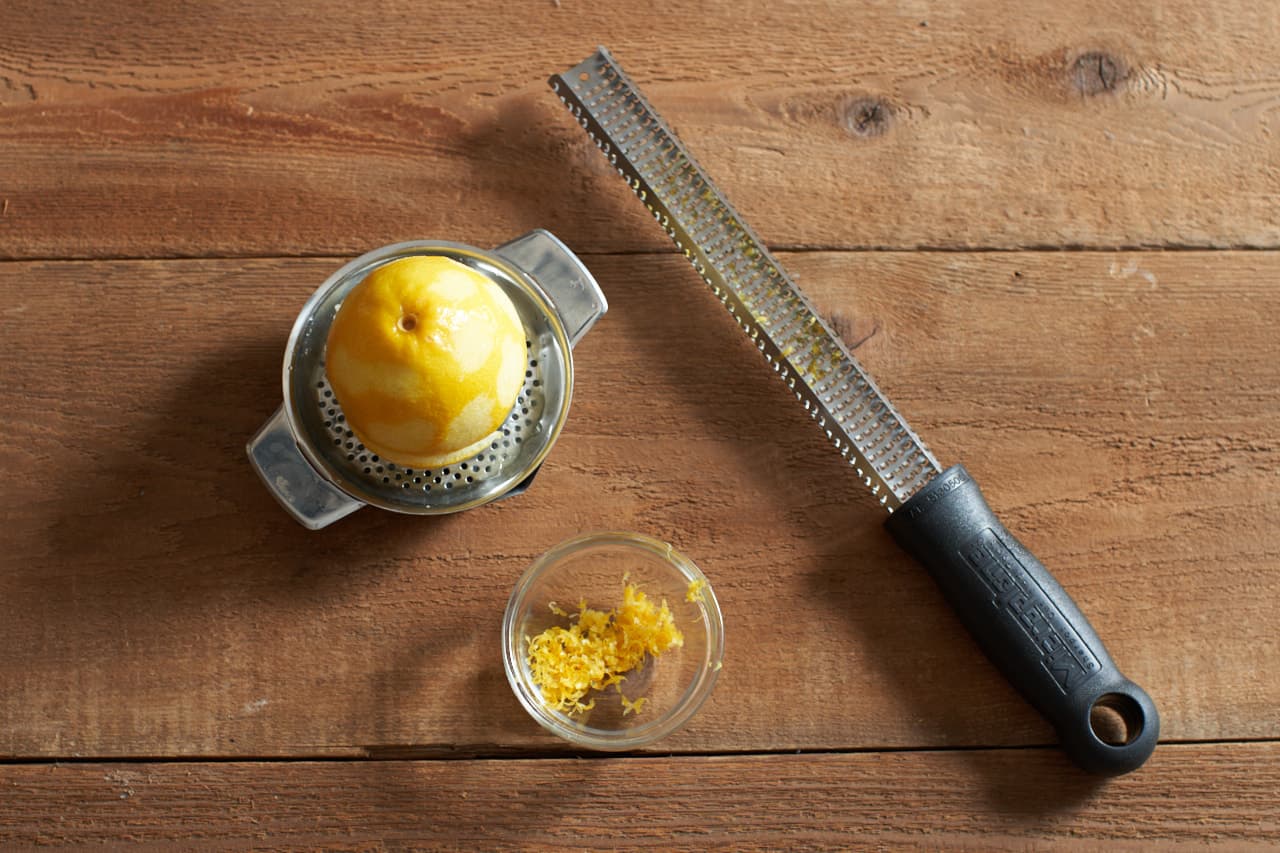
813, 361
1018, 613
317, 468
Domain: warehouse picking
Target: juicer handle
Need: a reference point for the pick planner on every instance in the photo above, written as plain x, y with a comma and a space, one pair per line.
562, 276
312, 500
1025, 622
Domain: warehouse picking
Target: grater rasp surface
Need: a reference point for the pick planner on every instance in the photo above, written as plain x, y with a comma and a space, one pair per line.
802, 349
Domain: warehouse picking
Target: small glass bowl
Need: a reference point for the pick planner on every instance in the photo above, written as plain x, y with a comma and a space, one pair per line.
591, 568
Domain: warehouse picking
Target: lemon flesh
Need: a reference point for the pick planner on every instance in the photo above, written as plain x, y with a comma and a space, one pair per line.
426, 357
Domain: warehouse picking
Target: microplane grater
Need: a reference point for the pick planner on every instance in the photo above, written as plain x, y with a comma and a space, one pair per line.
1016, 610
816, 365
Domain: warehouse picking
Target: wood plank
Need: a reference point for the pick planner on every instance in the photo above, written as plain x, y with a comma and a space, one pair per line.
325, 128
1222, 795
1119, 408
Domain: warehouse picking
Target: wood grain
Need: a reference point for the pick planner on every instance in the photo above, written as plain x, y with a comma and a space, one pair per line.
1119, 408
274, 128
1188, 797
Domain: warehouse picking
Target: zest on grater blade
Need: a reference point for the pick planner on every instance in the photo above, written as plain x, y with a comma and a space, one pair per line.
1023, 619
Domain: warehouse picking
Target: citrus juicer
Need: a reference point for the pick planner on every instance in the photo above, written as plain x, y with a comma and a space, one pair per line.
316, 467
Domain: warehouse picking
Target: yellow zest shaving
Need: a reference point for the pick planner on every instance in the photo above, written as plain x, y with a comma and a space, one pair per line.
694, 593
597, 649
629, 707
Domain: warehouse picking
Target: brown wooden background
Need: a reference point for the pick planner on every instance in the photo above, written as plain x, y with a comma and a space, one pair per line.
1051, 230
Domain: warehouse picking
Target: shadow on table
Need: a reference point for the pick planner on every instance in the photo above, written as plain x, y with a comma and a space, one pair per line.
179, 483
948, 695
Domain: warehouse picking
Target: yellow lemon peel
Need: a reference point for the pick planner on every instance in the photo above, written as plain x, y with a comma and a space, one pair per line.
694, 593
598, 648
426, 357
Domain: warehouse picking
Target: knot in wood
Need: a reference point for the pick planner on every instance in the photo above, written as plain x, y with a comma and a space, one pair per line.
1097, 71
865, 116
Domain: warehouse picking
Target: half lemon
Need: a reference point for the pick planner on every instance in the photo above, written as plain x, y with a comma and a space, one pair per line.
426, 357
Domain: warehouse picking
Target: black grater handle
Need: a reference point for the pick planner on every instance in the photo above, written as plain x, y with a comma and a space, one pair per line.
1025, 622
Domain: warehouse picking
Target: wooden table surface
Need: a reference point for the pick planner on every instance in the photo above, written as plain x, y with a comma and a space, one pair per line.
1051, 231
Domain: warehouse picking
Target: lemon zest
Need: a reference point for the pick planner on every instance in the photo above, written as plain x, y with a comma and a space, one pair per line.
598, 648
694, 593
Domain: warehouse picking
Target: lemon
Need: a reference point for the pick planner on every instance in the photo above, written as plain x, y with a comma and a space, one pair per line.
426, 357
